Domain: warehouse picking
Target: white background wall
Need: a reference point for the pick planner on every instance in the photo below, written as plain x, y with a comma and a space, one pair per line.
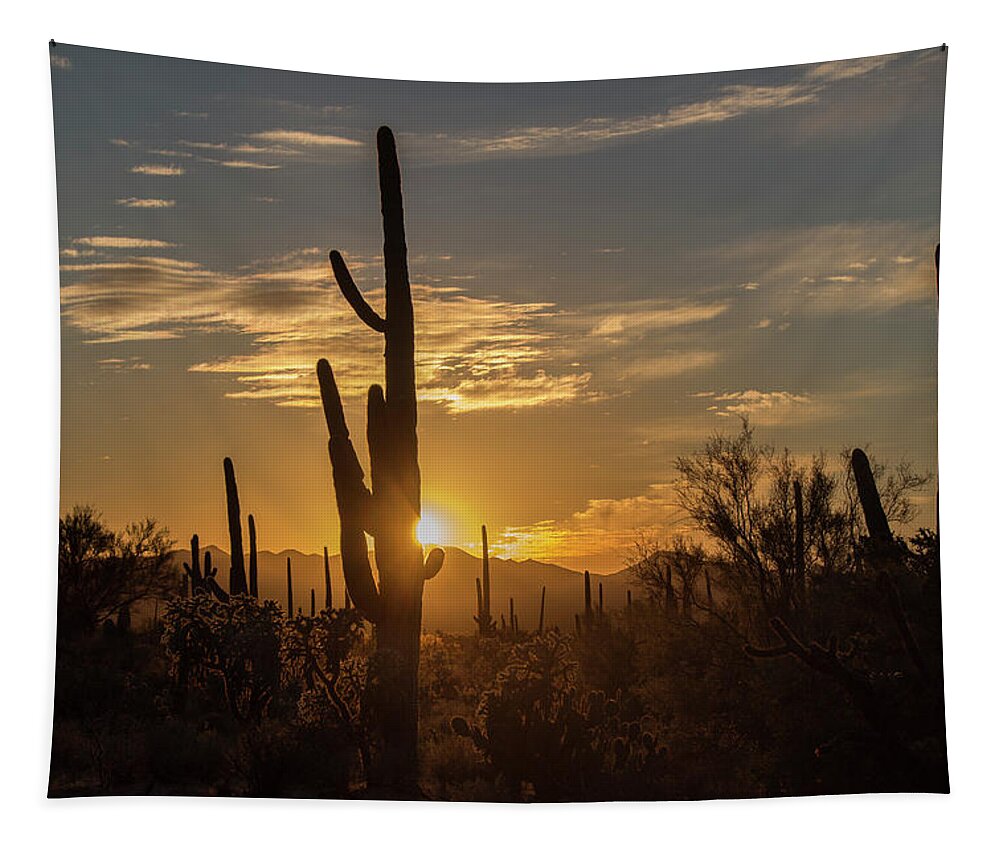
510, 40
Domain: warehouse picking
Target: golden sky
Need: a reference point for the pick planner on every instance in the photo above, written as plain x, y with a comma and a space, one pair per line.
604, 273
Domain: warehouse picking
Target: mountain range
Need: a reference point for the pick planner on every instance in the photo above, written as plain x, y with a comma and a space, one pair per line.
449, 598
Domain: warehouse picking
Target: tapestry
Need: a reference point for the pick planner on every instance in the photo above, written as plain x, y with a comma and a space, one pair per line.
546, 442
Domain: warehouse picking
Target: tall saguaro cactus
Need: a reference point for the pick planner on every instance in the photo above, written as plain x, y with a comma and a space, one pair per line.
390, 510
237, 569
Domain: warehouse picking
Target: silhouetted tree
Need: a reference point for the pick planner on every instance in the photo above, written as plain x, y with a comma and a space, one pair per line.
102, 573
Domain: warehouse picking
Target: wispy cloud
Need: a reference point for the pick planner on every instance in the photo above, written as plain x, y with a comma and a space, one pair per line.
121, 242
244, 164
303, 139
817, 270
767, 407
158, 170
660, 366
146, 203
640, 317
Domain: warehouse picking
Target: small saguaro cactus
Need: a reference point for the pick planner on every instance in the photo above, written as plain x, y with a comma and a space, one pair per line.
203, 582
312, 602
483, 616
588, 612
328, 600
237, 567
390, 510
252, 529
541, 613
288, 577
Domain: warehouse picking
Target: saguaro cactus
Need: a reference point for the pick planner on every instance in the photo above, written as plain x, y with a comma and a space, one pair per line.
588, 612
389, 511
237, 568
871, 504
288, 578
483, 616
203, 582
252, 529
328, 601
541, 613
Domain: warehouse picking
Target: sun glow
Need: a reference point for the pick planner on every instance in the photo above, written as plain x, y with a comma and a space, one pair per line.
432, 528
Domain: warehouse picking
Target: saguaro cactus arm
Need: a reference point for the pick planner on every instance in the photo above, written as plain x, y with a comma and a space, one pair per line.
434, 562
354, 500
353, 295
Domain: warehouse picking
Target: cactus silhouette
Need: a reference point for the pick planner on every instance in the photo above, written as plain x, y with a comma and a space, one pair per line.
800, 540
252, 530
871, 504
588, 612
483, 617
328, 600
203, 582
541, 613
237, 568
288, 578
389, 511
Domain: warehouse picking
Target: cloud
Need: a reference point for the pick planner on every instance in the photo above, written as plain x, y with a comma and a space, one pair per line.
601, 526
668, 365
725, 103
816, 269
589, 133
303, 139
243, 164
473, 353
121, 242
640, 317
847, 69
509, 392
769, 407
157, 170
146, 203
123, 364
63, 63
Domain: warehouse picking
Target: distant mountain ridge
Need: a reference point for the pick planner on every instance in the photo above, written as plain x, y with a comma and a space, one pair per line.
449, 598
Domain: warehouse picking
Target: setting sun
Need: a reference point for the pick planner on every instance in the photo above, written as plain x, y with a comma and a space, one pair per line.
432, 529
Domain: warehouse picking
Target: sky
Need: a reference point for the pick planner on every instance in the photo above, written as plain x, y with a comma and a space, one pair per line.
604, 273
